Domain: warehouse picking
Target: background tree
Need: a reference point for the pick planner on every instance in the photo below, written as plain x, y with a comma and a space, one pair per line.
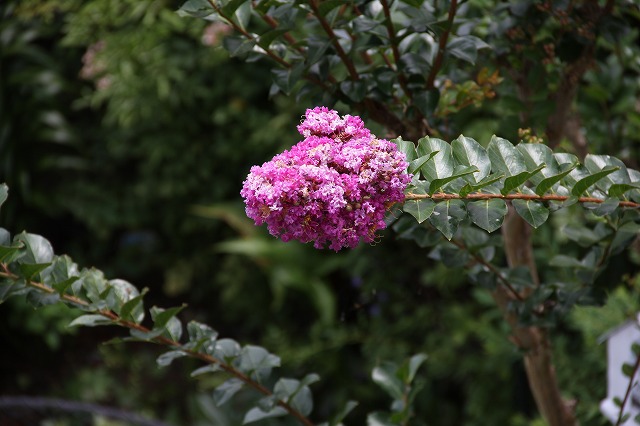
169, 122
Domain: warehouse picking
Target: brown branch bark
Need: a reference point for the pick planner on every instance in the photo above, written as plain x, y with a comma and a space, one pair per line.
534, 341
482, 196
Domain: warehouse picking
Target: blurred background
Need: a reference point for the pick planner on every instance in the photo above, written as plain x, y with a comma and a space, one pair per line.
125, 135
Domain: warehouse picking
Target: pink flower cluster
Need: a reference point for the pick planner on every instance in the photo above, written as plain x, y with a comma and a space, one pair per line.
332, 188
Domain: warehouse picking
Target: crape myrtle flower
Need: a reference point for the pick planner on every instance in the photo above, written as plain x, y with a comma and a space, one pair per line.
332, 188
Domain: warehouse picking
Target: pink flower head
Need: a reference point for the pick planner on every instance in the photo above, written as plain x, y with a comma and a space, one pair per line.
333, 188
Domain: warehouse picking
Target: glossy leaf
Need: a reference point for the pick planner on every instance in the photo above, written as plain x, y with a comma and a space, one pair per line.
167, 358
489, 180
439, 166
38, 249
619, 189
468, 152
4, 193
384, 376
407, 148
90, 321
196, 8
534, 212
29, 271
597, 163
227, 390
488, 214
447, 215
513, 182
294, 393
344, 412
537, 154
547, 183
420, 209
505, 158
257, 362
410, 367
226, 349
416, 164
256, 414
460, 171
585, 183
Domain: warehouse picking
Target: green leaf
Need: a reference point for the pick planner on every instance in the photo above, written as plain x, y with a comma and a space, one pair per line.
407, 148
459, 171
344, 412
618, 189
227, 390
196, 9
385, 376
165, 319
122, 292
505, 158
161, 316
513, 182
586, 182
286, 79
167, 358
90, 321
201, 334
256, 414
547, 183
328, 5
230, 7
627, 370
257, 362
420, 209
564, 261
537, 154
38, 249
211, 368
534, 212
488, 214
416, 164
427, 101
4, 193
295, 394
31, 270
468, 152
133, 309
355, 90
379, 419
226, 349
469, 188
412, 366
596, 163
447, 215
465, 47
439, 166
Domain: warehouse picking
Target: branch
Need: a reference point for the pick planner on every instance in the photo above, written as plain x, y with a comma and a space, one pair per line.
531, 197
394, 47
327, 29
117, 320
242, 31
491, 268
627, 394
442, 46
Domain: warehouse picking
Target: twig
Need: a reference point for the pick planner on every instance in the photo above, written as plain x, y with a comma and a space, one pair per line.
442, 45
491, 268
627, 394
334, 40
163, 341
530, 197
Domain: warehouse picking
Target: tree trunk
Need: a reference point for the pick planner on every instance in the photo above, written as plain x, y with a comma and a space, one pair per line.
533, 341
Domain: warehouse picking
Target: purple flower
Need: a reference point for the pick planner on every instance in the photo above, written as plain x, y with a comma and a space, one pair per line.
332, 188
